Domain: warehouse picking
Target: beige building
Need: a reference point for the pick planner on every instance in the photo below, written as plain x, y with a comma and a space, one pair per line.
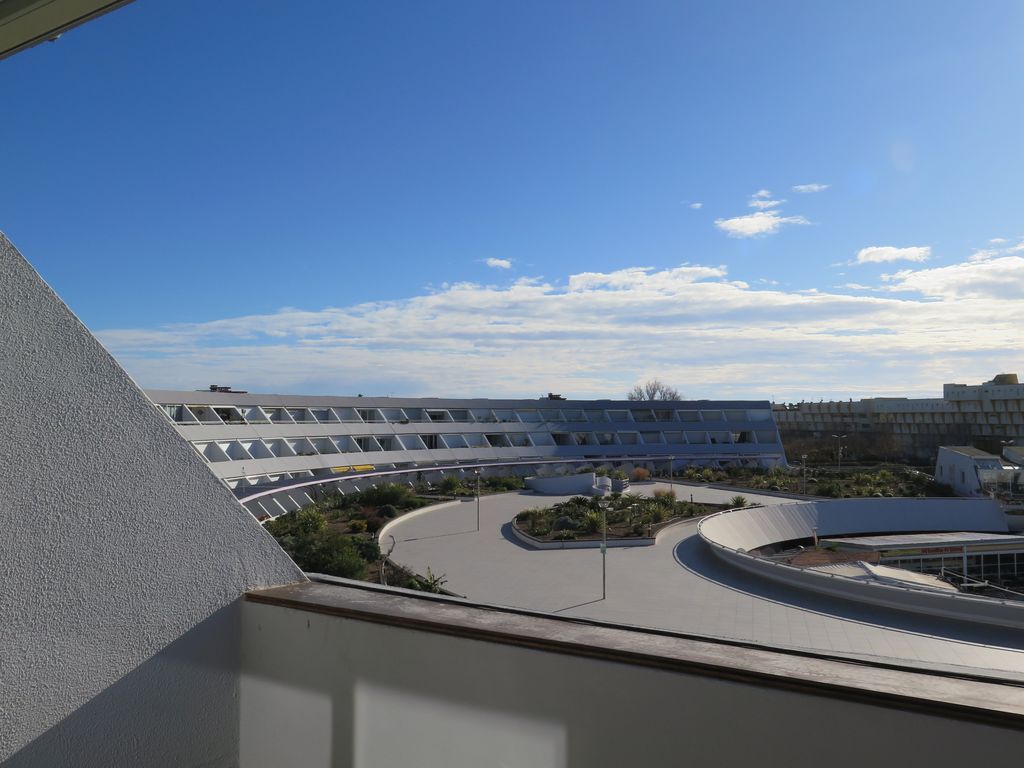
987, 415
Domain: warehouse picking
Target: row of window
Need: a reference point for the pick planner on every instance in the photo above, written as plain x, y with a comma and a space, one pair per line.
996, 566
268, 448
218, 414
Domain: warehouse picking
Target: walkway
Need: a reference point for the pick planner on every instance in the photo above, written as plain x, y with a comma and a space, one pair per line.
679, 585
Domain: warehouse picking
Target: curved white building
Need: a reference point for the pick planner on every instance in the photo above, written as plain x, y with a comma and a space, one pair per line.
257, 442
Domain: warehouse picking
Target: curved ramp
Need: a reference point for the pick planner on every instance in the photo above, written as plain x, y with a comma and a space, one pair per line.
733, 534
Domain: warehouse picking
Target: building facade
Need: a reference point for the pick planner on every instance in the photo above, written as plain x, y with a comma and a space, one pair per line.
985, 415
254, 441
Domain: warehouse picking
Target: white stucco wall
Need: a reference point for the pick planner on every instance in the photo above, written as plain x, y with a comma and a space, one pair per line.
321, 691
122, 558
563, 485
957, 470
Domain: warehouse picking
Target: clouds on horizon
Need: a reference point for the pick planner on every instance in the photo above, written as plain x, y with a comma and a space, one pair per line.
498, 263
595, 333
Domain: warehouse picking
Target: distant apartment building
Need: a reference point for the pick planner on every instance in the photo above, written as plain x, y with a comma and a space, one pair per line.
255, 442
987, 416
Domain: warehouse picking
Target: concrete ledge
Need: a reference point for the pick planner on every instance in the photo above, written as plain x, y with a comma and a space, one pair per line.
989, 702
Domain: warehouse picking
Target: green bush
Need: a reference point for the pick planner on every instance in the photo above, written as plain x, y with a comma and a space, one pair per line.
387, 511
565, 523
368, 549
564, 536
392, 494
451, 485
357, 526
829, 489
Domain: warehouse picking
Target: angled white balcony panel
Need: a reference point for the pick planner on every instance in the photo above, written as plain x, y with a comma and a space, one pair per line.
454, 441
279, 416
205, 414
256, 415
280, 447
235, 450
324, 445
324, 415
257, 449
302, 446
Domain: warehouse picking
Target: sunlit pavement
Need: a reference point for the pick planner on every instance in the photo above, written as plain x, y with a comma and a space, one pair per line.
679, 585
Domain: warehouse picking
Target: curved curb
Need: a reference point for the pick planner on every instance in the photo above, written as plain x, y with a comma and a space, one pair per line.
386, 530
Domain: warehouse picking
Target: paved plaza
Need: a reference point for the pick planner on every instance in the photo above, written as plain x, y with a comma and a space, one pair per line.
679, 585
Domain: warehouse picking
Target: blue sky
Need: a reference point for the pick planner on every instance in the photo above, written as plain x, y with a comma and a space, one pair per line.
787, 200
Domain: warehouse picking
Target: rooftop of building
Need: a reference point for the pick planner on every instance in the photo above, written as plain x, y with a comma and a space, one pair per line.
926, 540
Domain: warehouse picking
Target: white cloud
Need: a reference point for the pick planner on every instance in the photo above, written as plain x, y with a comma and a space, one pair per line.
762, 193
877, 254
754, 224
989, 279
590, 333
998, 240
499, 263
810, 188
696, 206
763, 204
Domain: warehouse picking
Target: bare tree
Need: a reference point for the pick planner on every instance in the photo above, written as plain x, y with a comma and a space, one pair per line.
653, 389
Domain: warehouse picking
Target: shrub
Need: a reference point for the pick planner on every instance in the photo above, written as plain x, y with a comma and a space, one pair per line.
357, 526
387, 493
829, 489
387, 511
592, 522
640, 474
565, 523
657, 515
504, 483
450, 485
738, 501
374, 524
368, 549
564, 536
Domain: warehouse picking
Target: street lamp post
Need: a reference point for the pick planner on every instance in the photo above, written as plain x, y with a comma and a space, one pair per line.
803, 465
671, 461
604, 551
477, 473
839, 451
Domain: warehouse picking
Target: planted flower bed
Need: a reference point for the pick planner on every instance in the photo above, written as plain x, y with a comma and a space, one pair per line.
628, 515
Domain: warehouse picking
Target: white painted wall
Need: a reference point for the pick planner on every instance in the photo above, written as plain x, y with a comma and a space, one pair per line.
959, 471
122, 558
321, 691
563, 485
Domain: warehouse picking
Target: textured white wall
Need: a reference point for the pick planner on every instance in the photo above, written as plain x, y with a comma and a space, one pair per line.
122, 558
